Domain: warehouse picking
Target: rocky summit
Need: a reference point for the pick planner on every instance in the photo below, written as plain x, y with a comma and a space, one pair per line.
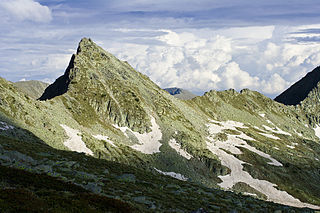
105, 138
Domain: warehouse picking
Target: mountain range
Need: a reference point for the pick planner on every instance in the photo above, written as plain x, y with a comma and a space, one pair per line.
103, 137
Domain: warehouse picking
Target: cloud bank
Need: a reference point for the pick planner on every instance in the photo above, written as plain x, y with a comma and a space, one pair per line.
27, 10
210, 59
197, 45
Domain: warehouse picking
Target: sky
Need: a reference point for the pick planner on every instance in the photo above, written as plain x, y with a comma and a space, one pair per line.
264, 45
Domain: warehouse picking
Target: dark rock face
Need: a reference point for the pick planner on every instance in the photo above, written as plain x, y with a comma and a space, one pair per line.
60, 86
300, 90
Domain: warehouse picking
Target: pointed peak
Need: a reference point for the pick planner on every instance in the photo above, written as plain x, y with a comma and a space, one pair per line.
86, 44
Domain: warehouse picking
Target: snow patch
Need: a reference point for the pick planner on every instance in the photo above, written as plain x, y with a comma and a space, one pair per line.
235, 141
104, 138
176, 146
4, 126
276, 148
250, 194
173, 174
222, 125
279, 131
298, 133
291, 147
75, 143
148, 142
262, 115
270, 136
268, 121
317, 131
276, 130
238, 175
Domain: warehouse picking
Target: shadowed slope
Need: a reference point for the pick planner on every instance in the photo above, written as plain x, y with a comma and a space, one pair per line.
300, 90
60, 86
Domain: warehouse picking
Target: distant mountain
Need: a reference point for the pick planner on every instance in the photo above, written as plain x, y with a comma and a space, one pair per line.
301, 89
108, 130
180, 93
32, 88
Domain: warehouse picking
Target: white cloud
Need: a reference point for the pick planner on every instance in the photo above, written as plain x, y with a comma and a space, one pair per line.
274, 85
233, 77
204, 59
27, 10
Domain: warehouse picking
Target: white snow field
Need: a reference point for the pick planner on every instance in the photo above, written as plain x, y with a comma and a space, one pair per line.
148, 142
75, 143
104, 138
173, 174
176, 146
235, 165
4, 126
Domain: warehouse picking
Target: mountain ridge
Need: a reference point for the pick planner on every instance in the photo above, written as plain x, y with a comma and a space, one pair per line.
121, 116
32, 88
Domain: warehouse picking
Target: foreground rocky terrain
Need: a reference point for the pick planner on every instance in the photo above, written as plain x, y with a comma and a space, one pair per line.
113, 138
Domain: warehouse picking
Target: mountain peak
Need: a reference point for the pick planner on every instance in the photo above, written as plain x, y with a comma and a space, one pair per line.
87, 45
173, 90
180, 93
102, 84
300, 90
82, 64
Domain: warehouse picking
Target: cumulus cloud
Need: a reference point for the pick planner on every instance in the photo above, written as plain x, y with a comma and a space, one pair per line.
202, 60
233, 77
27, 10
190, 61
183, 60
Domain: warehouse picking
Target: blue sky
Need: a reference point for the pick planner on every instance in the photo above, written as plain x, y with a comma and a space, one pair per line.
197, 45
